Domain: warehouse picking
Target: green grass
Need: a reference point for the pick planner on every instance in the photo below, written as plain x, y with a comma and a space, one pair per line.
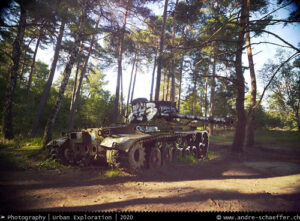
187, 159
114, 173
190, 159
288, 139
210, 155
49, 164
21, 153
222, 138
263, 138
26, 153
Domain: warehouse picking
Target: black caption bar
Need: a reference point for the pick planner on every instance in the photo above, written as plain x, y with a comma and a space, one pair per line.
131, 216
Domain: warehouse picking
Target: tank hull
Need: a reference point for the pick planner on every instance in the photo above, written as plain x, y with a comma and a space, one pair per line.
131, 151
155, 136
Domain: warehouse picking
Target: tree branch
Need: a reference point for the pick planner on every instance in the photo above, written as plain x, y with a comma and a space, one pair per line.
273, 76
222, 77
275, 35
275, 10
26, 25
266, 42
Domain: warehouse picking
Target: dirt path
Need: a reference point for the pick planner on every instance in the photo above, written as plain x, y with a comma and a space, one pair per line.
259, 181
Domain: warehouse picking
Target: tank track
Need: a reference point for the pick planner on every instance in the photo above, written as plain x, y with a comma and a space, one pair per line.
70, 156
147, 152
160, 150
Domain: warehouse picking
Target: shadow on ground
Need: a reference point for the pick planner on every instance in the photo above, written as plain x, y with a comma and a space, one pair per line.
15, 183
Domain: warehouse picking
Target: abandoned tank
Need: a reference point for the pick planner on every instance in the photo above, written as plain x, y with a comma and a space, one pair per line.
156, 135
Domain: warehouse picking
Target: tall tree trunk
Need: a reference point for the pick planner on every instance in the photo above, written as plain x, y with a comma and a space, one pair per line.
75, 85
167, 91
212, 97
10, 90
82, 75
47, 88
153, 76
164, 83
201, 98
195, 94
120, 54
298, 119
121, 97
77, 82
72, 58
133, 85
174, 56
130, 83
205, 98
24, 56
161, 49
33, 61
180, 81
251, 114
75, 102
239, 136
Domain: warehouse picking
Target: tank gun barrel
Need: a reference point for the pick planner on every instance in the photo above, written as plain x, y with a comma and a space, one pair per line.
214, 120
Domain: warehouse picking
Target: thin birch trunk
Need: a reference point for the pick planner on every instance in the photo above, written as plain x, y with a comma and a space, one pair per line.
47, 88
206, 100
161, 49
66, 74
75, 85
14, 69
82, 75
153, 76
212, 97
167, 91
33, 61
120, 54
130, 83
180, 81
174, 56
251, 114
195, 94
134, 80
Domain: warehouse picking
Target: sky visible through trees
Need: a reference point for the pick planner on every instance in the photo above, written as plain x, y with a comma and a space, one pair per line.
262, 52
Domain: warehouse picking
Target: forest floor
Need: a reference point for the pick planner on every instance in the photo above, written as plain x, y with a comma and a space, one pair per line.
262, 179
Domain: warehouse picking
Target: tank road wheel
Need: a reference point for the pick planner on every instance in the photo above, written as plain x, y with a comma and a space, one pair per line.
194, 140
205, 143
82, 155
61, 154
155, 158
198, 139
187, 151
54, 153
194, 151
167, 154
178, 141
184, 143
177, 153
186, 148
69, 155
136, 157
205, 139
190, 140
202, 151
203, 147
112, 158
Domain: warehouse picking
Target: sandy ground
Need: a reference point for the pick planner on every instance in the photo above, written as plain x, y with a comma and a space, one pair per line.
260, 180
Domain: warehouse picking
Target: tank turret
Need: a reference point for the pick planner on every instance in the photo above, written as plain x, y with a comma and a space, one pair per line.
143, 110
